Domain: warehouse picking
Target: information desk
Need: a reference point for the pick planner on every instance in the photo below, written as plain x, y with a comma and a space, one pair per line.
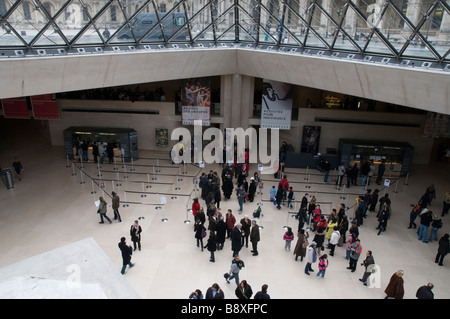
125, 141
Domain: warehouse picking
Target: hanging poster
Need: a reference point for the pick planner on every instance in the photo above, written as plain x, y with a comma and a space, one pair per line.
310, 140
276, 108
196, 101
44, 107
15, 108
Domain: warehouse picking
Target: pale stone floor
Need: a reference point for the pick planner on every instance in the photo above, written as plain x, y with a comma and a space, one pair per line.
50, 209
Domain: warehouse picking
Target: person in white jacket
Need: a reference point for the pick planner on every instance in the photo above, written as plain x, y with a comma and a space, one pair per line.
312, 257
334, 240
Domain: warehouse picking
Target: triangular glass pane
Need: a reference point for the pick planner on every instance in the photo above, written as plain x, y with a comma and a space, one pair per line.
313, 41
176, 31
247, 23
268, 29
435, 31
50, 37
377, 46
110, 21
27, 21
72, 20
296, 27
205, 35
136, 29
225, 19
229, 35
322, 25
90, 36
344, 43
356, 26
394, 28
5, 6
9, 38
201, 21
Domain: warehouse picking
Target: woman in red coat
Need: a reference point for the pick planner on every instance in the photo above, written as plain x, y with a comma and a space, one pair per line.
195, 207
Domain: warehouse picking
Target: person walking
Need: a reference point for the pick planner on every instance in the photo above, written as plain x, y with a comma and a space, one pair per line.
243, 290
127, 251
445, 204
214, 292
236, 265
254, 238
368, 262
115, 206
312, 258
382, 221
425, 292
262, 294
102, 207
211, 245
236, 239
195, 207
323, 264
135, 233
288, 237
18, 168
356, 250
413, 215
443, 249
301, 245
395, 287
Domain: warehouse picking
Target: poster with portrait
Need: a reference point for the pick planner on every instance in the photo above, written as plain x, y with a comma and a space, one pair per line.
311, 139
276, 106
196, 101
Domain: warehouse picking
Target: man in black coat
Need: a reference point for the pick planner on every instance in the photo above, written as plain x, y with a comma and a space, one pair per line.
212, 245
221, 231
425, 292
254, 238
443, 249
127, 251
236, 240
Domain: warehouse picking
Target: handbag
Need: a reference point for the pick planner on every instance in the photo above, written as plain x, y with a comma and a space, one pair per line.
226, 275
203, 233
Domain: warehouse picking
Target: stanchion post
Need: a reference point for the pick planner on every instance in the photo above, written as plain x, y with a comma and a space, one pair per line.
148, 181
154, 174
118, 180
73, 170
125, 197
396, 185
115, 164
143, 190
93, 189
81, 174
406, 180
67, 159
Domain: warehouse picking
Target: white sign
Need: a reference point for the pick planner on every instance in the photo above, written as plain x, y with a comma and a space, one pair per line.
387, 182
196, 113
260, 168
276, 107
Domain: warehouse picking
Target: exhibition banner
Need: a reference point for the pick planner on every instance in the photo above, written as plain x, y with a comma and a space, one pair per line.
44, 107
15, 108
276, 108
196, 101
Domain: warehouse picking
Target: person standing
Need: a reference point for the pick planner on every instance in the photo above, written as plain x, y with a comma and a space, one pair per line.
244, 290
18, 168
230, 221
382, 221
254, 238
425, 292
246, 226
211, 245
214, 292
95, 152
446, 204
425, 221
236, 265
236, 240
323, 264
443, 250
356, 250
395, 287
288, 237
334, 240
331, 228
413, 215
241, 197
381, 170
102, 207
326, 168
435, 225
200, 233
135, 233
367, 263
312, 258
252, 189
195, 207
301, 245
341, 173
221, 232
262, 294
115, 206
127, 251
